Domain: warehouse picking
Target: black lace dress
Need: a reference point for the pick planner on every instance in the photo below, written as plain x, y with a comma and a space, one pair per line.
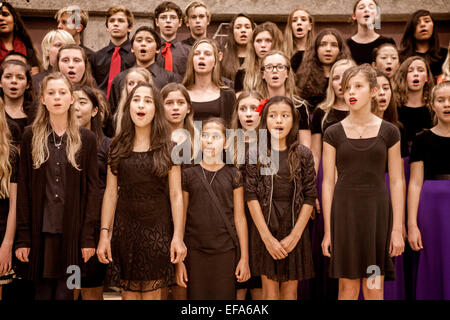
142, 228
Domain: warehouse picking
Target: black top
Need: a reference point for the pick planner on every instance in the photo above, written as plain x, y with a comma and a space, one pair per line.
81, 211
436, 65
283, 188
414, 120
4, 203
333, 117
180, 53
89, 51
241, 60
189, 41
362, 52
101, 62
434, 151
221, 107
303, 123
160, 77
55, 178
296, 60
16, 126
205, 229
239, 80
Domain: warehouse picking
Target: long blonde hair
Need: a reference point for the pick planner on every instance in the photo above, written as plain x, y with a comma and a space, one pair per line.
5, 153
251, 64
328, 104
289, 44
189, 78
42, 129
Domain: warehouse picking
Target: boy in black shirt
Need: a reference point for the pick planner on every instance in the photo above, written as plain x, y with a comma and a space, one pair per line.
116, 56
173, 54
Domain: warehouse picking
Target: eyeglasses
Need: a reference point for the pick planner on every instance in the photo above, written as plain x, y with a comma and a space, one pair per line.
271, 68
167, 17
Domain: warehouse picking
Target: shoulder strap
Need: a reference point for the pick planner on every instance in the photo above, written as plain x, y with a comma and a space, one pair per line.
219, 208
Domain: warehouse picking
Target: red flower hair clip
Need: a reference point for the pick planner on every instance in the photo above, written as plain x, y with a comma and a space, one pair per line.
261, 105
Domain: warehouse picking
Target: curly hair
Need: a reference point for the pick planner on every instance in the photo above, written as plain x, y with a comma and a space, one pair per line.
311, 75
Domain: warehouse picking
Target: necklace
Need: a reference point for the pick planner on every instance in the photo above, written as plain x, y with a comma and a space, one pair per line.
354, 129
57, 145
204, 175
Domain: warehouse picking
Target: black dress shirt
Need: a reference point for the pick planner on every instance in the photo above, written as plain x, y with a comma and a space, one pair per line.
180, 53
55, 175
101, 61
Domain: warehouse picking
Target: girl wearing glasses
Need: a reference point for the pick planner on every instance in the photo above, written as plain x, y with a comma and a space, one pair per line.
277, 79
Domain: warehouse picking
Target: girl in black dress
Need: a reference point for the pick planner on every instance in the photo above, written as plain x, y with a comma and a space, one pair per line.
16, 92
421, 38
280, 194
385, 58
332, 110
15, 37
246, 117
298, 36
91, 110
180, 116
239, 35
429, 201
209, 96
367, 16
57, 201
313, 74
9, 158
363, 230
216, 227
147, 210
413, 84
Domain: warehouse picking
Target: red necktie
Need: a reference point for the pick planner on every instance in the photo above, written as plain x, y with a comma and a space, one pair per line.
167, 55
114, 68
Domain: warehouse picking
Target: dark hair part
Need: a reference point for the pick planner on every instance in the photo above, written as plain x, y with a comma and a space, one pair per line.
155, 35
220, 121
122, 144
408, 43
98, 101
167, 6
311, 75
390, 114
292, 143
28, 94
88, 78
377, 50
230, 61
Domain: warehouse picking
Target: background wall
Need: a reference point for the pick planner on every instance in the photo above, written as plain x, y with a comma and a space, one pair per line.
38, 15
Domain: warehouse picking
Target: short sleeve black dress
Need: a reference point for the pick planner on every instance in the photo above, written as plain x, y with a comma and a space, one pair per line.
142, 228
361, 212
